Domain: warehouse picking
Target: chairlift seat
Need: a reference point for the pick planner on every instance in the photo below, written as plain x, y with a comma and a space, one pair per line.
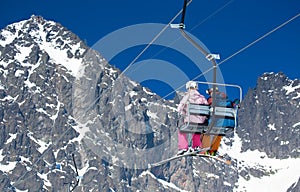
199, 109
221, 113
225, 112
202, 128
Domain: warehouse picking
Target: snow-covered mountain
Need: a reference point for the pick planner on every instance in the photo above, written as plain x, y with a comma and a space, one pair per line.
70, 120
270, 130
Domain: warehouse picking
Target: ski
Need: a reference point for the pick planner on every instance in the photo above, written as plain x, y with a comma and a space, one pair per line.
218, 158
194, 153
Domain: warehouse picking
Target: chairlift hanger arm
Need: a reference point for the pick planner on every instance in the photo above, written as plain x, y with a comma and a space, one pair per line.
207, 55
185, 3
182, 26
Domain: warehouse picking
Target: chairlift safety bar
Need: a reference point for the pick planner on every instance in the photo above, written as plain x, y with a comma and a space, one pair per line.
224, 85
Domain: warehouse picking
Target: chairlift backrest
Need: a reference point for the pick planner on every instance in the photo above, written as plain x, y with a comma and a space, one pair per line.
225, 118
222, 115
198, 109
226, 112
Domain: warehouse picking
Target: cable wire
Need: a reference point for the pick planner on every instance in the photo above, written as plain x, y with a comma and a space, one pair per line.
212, 14
153, 40
240, 50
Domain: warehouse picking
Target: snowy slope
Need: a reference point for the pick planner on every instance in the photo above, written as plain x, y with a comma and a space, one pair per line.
283, 172
268, 136
49, 37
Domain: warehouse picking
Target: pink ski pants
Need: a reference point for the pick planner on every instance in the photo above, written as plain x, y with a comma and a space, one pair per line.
183, 142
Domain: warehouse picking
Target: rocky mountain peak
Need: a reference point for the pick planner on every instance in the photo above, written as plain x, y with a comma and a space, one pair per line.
270, 116
68, 117
39, 35
60, 98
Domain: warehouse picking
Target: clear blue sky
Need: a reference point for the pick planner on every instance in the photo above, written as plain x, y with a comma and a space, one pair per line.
234, 26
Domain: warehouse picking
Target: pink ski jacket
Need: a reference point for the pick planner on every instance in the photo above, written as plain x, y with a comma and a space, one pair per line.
192, 96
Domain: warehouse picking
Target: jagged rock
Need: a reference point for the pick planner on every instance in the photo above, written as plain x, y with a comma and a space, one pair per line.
268, 115
63, 106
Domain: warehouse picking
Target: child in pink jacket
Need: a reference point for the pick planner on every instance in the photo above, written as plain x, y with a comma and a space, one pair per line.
192, 96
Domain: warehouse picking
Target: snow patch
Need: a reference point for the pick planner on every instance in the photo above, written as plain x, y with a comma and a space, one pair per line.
210, 175
289, 88
286, 171
45, 179
58, 56
11, 138
128, 107
23, 53
297, 97
284, 142
9, 98
54, 117
41, 110
82, 129
1, 156
296, 124
19, 73
84, 169
30, 72
132, 93
152, 115
40, 34
147, 91
8, 167
133, 83
111, 71
43, 145
272, 127
8, 35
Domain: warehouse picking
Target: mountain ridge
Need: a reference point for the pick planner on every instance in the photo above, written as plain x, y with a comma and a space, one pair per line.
60, 98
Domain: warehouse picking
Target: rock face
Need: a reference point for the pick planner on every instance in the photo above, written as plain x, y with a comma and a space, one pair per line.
270, 116
58, 99
69, 120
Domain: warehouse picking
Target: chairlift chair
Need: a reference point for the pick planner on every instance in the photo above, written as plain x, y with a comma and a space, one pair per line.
221, 114
214, 113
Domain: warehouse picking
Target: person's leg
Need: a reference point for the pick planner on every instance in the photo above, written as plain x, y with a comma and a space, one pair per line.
206, 141
215, 144
182, 141
196, 141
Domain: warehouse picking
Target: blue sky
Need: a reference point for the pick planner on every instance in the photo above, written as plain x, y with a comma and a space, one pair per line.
224, 27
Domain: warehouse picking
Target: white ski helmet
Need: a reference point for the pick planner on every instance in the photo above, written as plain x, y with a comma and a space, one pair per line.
191, 84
